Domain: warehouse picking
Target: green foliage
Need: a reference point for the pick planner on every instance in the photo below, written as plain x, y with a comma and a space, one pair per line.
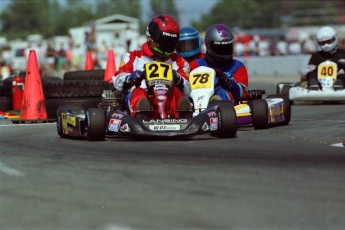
50, 17
249, 14
244, 14
129, 8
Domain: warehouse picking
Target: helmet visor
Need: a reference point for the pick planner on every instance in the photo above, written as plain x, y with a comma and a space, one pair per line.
223, 48
166, 45
187, 45
329, 41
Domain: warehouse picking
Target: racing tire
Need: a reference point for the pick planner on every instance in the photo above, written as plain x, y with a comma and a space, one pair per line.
259, 113
95, 124
64, 108
287, 108
227, 119
62, 89
97, 74
280, 86
218, 102
5, 103
52, 104
286, 92
7, 87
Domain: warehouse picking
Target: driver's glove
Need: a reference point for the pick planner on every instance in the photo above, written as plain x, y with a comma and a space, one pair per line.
226, 82
177, 78
341, 65
135, 78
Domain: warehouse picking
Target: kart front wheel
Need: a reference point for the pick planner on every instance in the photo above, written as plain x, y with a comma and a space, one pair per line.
75, 109
95, 124
227, 120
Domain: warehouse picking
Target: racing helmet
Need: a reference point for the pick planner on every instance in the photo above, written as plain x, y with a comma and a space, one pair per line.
219, 41
327, 39
189, 43
162, 35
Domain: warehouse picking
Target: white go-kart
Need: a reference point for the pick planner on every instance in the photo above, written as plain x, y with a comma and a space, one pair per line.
327, 75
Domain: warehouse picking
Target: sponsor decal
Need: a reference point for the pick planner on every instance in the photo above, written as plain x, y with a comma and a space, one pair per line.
71, 120
114, 125
120, 116
205, 127
213, 123
276, 112
222, 43
125, 128
161, 97
166, 121
170, 34
200, 98
212, 114
164, 127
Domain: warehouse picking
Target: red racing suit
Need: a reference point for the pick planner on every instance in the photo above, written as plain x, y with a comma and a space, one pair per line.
135, 60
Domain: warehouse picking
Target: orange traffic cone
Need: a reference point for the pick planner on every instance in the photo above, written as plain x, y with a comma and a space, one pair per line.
33, 105
88, 61
111, 66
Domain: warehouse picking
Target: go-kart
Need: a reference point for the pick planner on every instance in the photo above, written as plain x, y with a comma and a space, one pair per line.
253, 110
95, 124
326, 75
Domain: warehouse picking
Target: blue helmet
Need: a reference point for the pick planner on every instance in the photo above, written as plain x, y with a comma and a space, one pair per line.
189, 42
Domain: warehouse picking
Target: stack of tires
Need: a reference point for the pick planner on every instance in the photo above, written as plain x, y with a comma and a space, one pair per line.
80, 87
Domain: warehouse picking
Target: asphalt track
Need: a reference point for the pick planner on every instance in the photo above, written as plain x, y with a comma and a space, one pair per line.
289, 177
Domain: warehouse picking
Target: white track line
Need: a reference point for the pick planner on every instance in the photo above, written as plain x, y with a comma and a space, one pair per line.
54, 123
10, 171
338, 145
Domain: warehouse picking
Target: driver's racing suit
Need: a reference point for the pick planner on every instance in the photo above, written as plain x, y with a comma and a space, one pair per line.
318, 57
135, 60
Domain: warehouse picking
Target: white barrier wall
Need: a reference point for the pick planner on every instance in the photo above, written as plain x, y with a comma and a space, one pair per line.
276, 65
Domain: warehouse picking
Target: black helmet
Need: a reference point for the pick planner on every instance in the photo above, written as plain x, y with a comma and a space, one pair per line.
219, 41
162, 35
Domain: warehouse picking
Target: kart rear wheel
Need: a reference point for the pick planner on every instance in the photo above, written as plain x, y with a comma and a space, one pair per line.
286, 92
280, 86
77, 109
227, 120
259, 112
95, 124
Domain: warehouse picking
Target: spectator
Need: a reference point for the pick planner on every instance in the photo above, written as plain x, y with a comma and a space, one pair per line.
50, 56
309, 45
295, 47
282, 46
263, 47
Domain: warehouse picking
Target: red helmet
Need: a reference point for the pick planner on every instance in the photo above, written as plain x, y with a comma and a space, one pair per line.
163, 34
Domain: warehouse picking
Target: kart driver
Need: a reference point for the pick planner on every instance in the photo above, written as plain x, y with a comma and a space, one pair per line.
162, 35
328, 43
189, 45
231, 82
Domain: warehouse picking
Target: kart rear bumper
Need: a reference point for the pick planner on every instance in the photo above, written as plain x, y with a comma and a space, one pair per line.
302, 94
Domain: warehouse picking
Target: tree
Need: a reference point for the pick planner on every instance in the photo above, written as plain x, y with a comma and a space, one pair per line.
250, 14
129, 8
23, 16
46, 17
243, 14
